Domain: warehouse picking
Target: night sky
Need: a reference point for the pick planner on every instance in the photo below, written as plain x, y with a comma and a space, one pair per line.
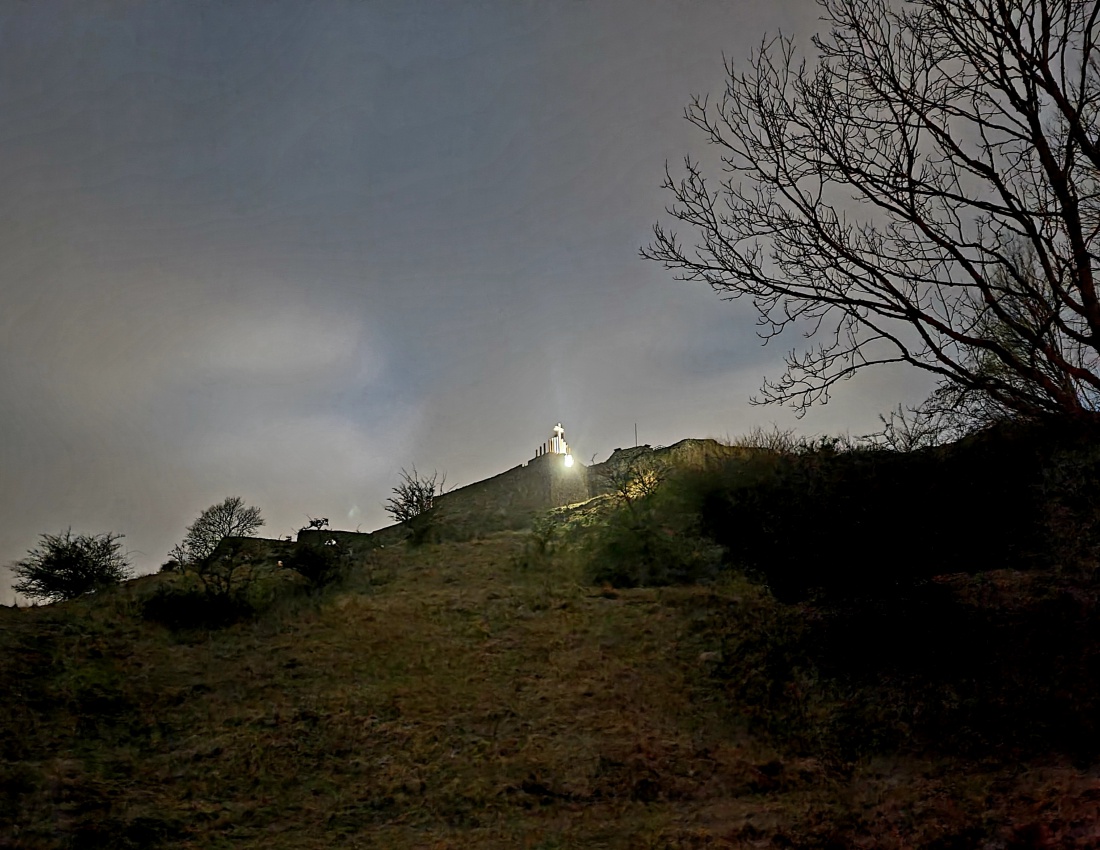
282, 249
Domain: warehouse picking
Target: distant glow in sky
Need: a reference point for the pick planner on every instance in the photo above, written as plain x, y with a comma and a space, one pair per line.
281, 250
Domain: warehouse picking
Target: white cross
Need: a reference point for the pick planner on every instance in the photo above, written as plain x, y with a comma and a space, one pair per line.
558, 430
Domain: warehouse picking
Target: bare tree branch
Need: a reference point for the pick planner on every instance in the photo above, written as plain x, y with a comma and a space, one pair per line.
414, 494
229, 518
926, 193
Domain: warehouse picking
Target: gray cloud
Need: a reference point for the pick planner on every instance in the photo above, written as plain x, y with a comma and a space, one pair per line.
282, 249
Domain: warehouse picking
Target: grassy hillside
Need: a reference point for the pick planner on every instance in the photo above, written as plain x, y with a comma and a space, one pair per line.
457, 697
488, 693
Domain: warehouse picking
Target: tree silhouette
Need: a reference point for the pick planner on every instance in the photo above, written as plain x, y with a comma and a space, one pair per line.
229, 518
925, 193
414, 494
64, 566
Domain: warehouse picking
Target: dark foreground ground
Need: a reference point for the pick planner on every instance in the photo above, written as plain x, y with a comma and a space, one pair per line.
456, 696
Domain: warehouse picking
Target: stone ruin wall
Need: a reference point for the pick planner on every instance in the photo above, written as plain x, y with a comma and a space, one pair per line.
545, 482
568, 485
259, 550
522, 491
512, 498
686, 454
354, 541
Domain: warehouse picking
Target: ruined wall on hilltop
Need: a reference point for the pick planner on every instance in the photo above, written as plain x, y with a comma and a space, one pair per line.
258, 550
700, 454
348, 540
511, 499
686, 454
542, 483
567, 485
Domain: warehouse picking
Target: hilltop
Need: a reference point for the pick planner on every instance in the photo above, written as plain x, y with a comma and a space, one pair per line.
486, 693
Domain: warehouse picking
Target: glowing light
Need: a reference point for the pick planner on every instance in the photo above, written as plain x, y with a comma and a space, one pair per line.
568, 460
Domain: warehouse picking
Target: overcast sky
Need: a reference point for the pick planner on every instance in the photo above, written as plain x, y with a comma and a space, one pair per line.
282, 249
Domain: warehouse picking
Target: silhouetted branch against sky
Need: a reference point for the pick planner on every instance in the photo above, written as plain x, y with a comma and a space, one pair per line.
923, 190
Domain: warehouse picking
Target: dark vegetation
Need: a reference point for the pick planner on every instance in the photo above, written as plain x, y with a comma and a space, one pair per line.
1018, 496
942, 598
411, 506
320, 566
185, 606
216, 570
651, 535
225, 572
414, 494
64, 566
840, 520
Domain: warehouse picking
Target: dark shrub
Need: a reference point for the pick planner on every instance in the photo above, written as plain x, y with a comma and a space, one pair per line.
65, 566
424, 529
320, 566
645, 554
189, 607
540, 544
1069, 491
874, 522
415, 494
229, 518
653, 539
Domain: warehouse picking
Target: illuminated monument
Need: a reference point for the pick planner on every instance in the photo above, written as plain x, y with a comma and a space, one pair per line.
556, 445
550, 479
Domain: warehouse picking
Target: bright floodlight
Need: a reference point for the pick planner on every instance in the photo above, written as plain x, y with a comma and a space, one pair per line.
569, 460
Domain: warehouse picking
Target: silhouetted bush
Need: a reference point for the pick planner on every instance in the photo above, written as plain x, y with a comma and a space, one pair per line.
1070, 493
651, 537
424, 528
873, 522
414, 494
65, 566
320, 566
539, 545
192, 607
633, 552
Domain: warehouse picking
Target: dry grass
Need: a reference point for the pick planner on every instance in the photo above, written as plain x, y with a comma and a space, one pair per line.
468, 701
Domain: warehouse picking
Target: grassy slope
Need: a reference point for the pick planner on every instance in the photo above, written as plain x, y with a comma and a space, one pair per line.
464, 702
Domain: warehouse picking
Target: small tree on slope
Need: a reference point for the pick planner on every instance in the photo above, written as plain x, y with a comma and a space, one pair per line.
229, 518
415, 494
65, 566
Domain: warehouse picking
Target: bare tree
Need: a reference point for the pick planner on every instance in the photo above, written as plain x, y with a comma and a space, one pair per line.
773, 439
913, 429
636, 478
230, 573
229, 518
414, 494
926, 192
64, 566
